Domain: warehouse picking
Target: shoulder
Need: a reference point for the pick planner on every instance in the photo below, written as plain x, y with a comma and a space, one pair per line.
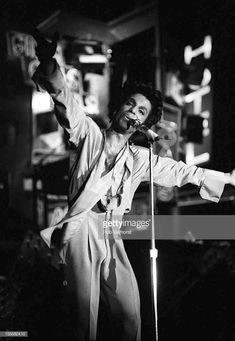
140, 157
92, 125
89, 131
139, 152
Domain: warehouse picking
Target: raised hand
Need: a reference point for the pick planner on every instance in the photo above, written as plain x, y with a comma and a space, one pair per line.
45, 49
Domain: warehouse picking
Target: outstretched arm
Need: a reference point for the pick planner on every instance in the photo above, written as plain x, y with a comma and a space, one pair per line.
168, 173
49, 77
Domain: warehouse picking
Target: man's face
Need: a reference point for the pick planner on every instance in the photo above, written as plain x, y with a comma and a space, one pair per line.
136, 107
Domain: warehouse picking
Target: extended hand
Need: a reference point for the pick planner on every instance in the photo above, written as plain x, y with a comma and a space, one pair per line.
231, 178
45, 49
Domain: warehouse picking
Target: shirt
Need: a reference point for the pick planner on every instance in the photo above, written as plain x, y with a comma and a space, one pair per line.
86, 183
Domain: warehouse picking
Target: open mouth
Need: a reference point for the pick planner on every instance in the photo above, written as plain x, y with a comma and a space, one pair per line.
126, 117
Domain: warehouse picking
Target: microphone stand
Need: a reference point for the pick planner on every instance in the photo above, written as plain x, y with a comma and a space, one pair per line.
153, 250
151, 136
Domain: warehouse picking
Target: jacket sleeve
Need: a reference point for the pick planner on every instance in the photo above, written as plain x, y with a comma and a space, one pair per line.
168, 172
68, 112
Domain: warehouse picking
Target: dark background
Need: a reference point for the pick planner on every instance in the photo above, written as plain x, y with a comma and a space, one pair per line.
197, 281
179, 22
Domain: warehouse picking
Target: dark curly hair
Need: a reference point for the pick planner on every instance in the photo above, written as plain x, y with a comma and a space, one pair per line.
154, 96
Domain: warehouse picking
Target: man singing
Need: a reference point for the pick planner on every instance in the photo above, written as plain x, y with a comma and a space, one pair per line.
103, 178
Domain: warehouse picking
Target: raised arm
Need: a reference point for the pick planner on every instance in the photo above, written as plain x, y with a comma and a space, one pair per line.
48, 77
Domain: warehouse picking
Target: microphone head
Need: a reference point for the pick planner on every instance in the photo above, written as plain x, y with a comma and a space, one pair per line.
135, 123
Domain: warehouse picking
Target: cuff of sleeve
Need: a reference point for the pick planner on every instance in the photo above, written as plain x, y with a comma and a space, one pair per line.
53, 83
212, 185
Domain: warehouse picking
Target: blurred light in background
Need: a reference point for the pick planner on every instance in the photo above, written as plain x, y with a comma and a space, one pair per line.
95, 58
198, 103
41, 102
204, 49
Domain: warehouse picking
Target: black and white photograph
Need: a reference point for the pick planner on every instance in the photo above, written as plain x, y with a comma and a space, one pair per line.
117, 170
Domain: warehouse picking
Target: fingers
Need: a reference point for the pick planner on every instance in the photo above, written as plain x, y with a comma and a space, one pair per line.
45, 48
40, 39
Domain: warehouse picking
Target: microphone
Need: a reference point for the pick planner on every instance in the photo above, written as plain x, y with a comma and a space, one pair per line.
150, 134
